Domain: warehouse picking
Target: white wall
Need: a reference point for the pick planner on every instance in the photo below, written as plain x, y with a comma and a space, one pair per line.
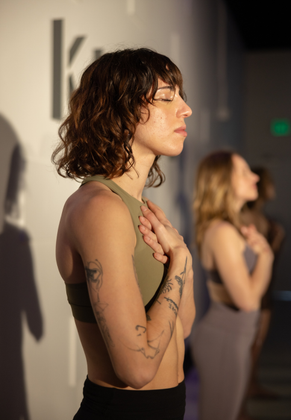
40, 344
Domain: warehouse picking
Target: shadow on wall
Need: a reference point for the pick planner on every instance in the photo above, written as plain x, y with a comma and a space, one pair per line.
18, 294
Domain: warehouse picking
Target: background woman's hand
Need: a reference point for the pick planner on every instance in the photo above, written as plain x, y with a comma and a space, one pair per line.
256, 240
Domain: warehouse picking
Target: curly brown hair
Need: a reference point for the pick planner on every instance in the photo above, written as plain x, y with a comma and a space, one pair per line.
105, 110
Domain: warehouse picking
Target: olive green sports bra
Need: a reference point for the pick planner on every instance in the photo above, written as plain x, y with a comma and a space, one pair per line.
150, 272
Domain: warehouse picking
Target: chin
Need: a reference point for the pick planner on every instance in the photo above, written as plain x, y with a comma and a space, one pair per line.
253, 196
175, 151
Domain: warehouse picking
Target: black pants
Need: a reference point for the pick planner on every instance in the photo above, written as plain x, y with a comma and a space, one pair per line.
101, 403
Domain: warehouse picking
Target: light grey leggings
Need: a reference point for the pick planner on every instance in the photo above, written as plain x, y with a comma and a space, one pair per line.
221, 347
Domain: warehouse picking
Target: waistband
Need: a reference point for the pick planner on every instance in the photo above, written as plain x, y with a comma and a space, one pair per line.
154, 404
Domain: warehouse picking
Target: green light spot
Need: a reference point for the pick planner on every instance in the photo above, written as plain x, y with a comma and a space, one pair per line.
280, 127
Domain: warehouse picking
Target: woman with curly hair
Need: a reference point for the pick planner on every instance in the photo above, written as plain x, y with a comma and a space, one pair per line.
132, 307
238, 262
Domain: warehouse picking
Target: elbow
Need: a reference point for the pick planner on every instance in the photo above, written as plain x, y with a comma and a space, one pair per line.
248, 305
137, 377
140, 380
187, 329
248, 308
187, 332
187, 326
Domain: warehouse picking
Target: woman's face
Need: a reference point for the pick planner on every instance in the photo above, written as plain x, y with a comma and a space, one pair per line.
165, 131
243, 181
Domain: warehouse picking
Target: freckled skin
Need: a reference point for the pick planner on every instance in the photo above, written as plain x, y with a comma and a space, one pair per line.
157, 135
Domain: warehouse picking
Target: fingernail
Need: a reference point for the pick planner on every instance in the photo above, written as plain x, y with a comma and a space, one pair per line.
143, 208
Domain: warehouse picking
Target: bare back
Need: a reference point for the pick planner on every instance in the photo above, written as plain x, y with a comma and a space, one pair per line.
223, 252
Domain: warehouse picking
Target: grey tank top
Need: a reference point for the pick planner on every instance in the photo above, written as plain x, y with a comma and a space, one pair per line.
250, 259
150, 272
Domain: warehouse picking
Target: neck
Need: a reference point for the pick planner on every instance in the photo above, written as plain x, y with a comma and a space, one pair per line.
133, 181
238, 206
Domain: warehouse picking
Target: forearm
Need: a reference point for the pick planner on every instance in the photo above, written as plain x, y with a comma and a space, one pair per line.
163, 313
187, 306
153, 340
160, 326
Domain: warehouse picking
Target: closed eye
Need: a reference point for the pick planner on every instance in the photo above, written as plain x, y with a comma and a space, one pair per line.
165, 93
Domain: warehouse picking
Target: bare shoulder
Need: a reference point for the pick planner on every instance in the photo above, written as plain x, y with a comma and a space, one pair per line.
222, 244
95, 207
222, 234
93, 196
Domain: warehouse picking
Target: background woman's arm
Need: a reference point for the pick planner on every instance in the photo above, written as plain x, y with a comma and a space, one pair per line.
227, 248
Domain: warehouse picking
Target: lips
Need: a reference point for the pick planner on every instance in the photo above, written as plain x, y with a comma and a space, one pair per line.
181, 130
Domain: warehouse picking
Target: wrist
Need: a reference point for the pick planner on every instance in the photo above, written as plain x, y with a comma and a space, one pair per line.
181, 261
267, 253
179, 253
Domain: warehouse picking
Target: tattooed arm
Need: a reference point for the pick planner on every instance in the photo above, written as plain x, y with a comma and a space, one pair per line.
187, 307
163, 313
102, 233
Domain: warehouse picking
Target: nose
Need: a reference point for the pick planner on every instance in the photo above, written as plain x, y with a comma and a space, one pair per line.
256, 177
184, 109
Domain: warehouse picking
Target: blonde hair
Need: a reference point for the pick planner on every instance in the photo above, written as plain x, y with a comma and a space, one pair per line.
214, 195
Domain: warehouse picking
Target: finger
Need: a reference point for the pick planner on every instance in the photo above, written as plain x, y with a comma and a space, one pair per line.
158, 212
252, 228
255, 236
145, 231
252, 242
156, 247
157, 223
145, 222
150, 216
248, 232
244, 230
162, 258
158, 228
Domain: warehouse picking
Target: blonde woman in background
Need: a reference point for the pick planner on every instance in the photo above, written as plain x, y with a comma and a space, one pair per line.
238, 261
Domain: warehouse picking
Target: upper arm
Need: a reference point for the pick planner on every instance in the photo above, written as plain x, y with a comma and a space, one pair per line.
227, 249
103, 234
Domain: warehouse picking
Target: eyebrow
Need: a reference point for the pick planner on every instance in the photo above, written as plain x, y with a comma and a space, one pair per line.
166, 87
